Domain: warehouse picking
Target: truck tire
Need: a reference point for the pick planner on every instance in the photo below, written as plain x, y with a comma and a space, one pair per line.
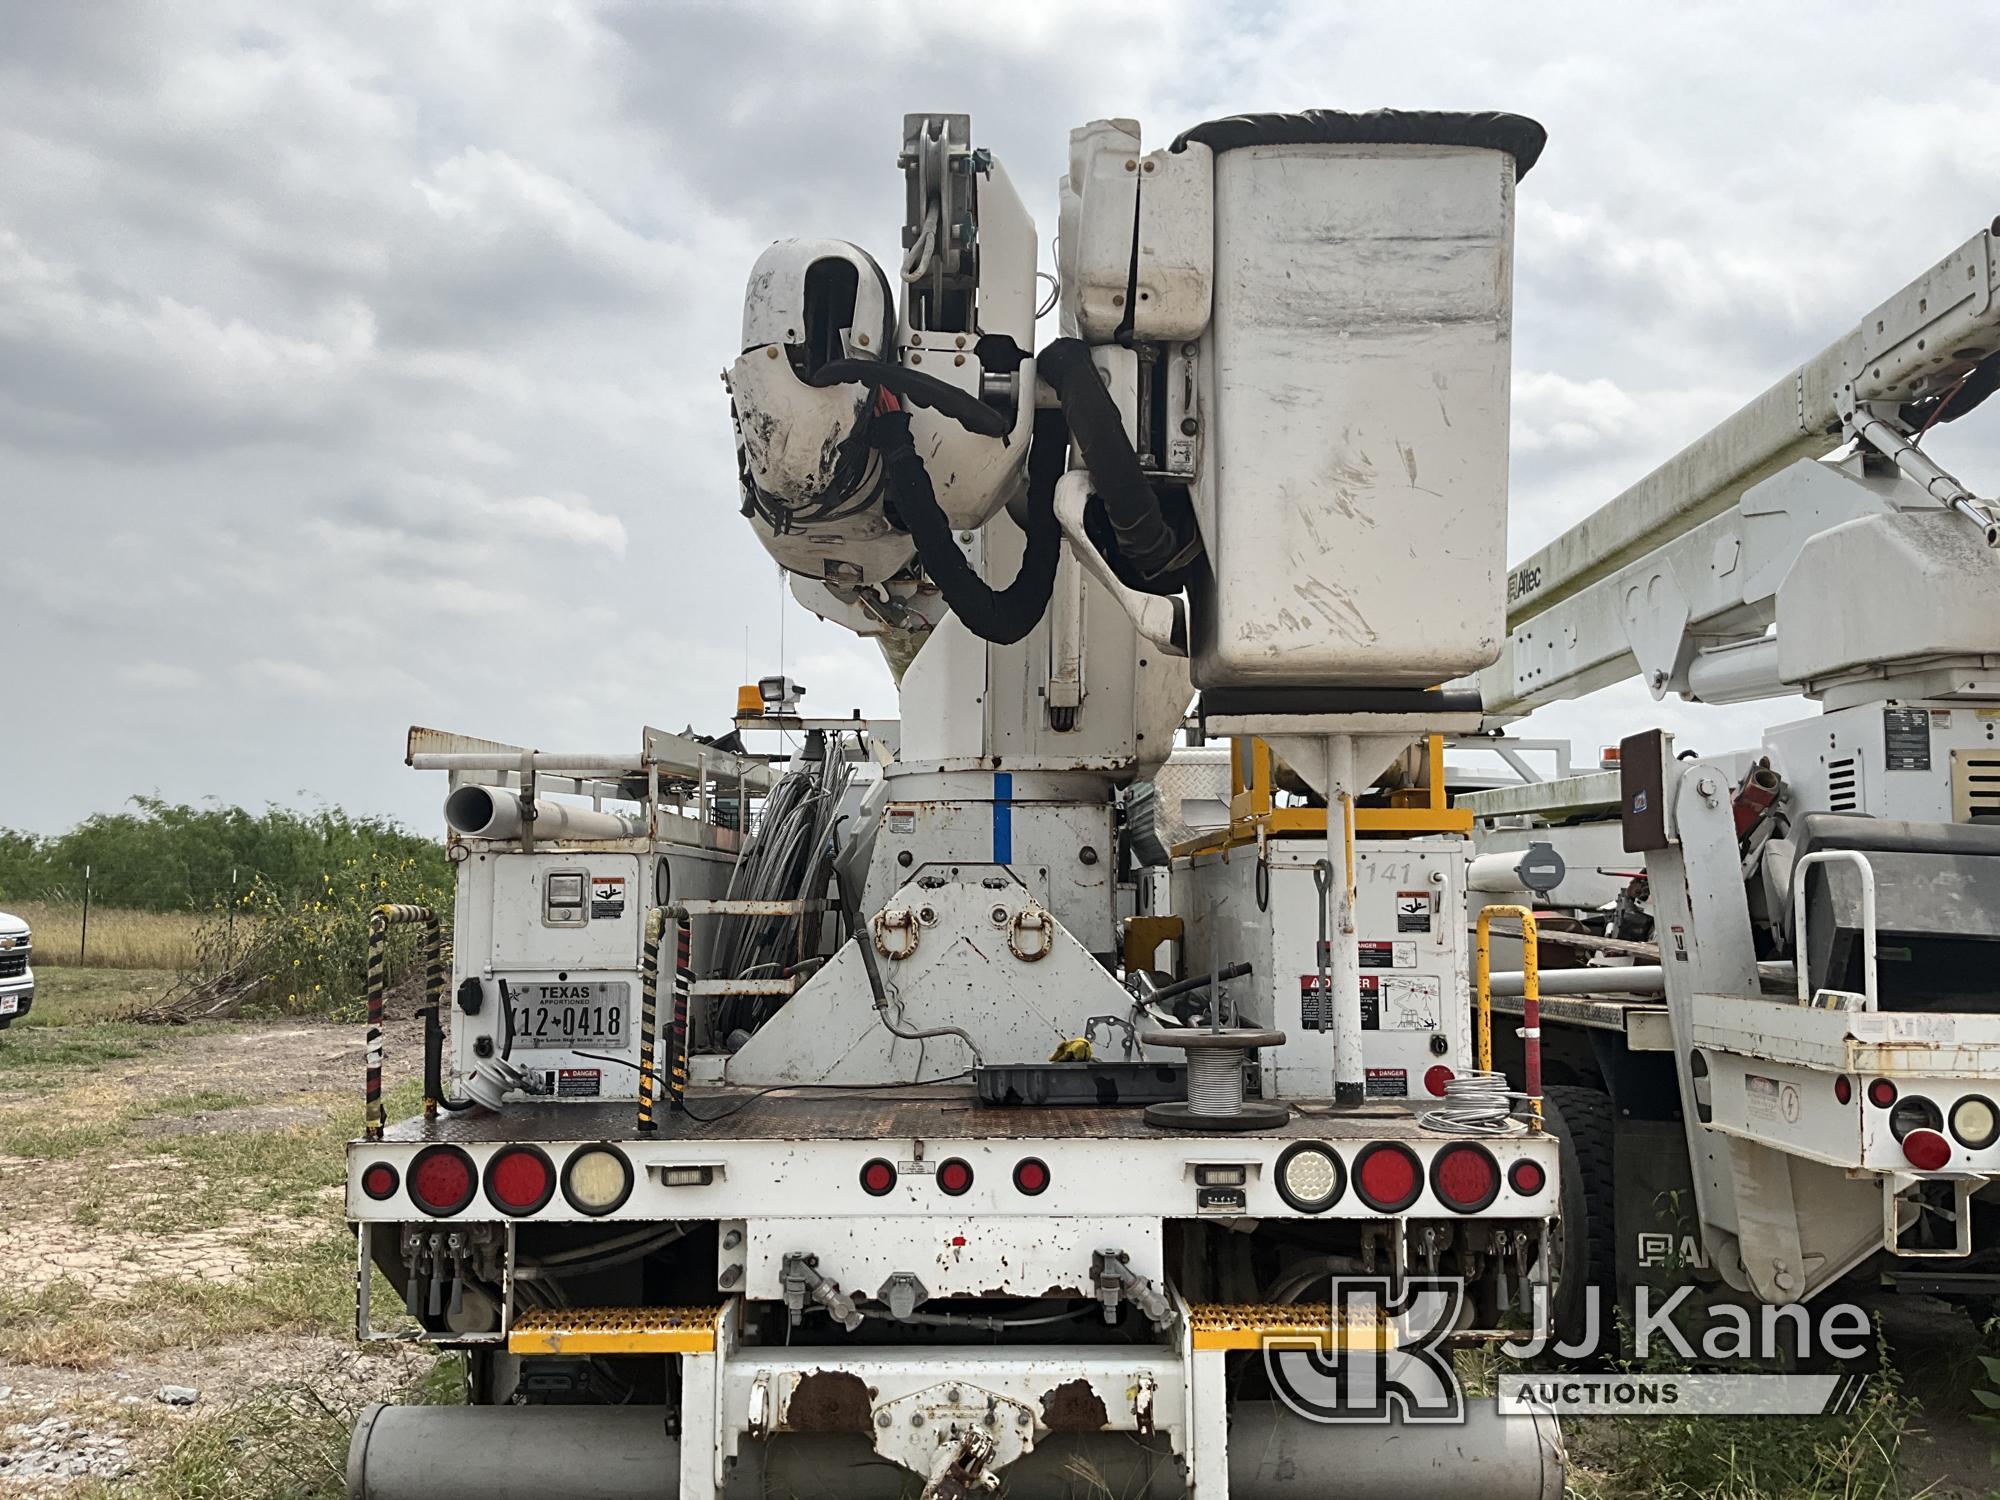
1582, 1122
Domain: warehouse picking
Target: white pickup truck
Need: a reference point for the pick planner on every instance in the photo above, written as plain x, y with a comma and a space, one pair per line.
17, 979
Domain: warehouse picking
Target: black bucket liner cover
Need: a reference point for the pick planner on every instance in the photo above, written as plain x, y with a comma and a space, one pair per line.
1517, 135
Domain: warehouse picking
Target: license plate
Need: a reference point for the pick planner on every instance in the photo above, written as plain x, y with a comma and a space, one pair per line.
9, 1004
565, 1017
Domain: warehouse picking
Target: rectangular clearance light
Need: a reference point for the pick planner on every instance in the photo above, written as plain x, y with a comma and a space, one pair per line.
1235, 1176
685, 1176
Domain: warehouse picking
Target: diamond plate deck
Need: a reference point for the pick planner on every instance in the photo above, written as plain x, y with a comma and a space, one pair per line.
930, 1114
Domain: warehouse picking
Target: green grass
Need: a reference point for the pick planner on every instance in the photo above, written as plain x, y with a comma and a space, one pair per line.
64, 997
59, 1139
201, 1102
32, 1056
288, 1443
284, 1171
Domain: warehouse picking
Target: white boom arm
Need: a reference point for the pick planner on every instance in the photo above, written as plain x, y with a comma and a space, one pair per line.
1678, 579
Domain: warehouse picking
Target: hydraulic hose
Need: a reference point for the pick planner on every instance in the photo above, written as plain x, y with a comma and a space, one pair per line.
1197, 982
1145, 539
863, 939
1002, 616
434, 1089
918, 389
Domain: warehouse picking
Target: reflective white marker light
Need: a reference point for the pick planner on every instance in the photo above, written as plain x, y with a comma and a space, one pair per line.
1310, 1177
597, 1180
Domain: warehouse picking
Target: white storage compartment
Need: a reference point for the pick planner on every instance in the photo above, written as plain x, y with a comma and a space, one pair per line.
1353, 485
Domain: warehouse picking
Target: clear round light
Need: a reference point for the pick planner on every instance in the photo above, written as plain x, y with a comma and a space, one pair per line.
1974, 1122
1311, 1176
596, 1179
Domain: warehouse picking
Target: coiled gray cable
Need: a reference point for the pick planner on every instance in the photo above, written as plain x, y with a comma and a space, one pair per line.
1476, 1103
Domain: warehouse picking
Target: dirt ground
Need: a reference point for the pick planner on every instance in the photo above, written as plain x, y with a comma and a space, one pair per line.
172, 1238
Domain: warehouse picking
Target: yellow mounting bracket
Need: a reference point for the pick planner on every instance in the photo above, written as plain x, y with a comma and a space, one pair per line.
1252, 803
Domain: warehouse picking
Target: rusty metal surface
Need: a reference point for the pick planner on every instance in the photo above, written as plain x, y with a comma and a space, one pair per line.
830, 1401
1074, 1406
804, 1114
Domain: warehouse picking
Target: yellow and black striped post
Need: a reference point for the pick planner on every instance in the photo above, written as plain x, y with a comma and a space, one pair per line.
677, 1078
385, 916
649, 1013
436, 961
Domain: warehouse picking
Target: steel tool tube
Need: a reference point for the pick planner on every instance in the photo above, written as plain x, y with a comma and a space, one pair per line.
624, 1453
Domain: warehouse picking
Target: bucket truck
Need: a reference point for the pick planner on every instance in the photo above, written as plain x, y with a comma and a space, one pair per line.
832, 1121
1799, 1038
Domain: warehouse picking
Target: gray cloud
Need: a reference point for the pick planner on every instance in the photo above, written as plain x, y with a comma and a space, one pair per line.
358, 361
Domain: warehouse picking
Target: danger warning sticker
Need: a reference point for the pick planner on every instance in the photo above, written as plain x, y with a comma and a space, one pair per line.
1316, 1015
1388, 1083
1413, 911
578, 1083
1388, 955
607, 898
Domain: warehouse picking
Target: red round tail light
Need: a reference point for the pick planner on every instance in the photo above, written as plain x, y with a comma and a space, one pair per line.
1388, 1176
442, 1180
878, 1177
1465, 1178
1927, 1151
954, 1176
520, 1180
1031, 1176
379, 1181
1527, 1177
1843, 1090
1435, 1079
1881, 1093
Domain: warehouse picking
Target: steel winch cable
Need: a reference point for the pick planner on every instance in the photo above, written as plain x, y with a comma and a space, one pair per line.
1476, 1103
1215, 1081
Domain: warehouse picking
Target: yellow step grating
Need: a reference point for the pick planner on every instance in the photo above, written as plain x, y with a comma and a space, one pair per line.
615, 1330
1246, 1325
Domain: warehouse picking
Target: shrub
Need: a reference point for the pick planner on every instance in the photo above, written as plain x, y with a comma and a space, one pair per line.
306, 953
173, 857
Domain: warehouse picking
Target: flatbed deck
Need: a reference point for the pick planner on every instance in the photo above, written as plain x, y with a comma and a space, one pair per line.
917, 1113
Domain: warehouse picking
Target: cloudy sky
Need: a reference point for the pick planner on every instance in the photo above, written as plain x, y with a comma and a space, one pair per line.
358, 362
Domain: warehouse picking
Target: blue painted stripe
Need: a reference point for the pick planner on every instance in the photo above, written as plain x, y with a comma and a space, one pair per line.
1003, 817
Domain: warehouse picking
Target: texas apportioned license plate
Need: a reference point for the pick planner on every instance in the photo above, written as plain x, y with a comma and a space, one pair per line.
558, 1017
